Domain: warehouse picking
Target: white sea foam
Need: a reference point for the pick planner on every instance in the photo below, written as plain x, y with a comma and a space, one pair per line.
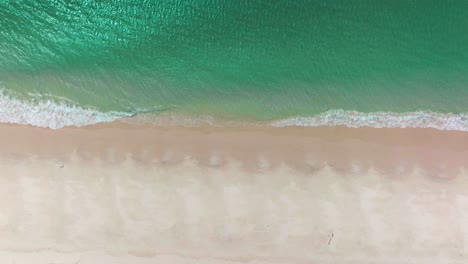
57, 114
420, 119
51, 114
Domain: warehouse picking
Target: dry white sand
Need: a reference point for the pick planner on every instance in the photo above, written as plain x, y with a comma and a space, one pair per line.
122, 194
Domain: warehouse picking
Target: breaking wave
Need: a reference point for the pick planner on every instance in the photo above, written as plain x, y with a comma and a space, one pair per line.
51, 114
419, 119
55, 114
353, 119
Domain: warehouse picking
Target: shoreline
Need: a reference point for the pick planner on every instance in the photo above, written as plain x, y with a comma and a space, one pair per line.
62, 113
123, 193
299, 147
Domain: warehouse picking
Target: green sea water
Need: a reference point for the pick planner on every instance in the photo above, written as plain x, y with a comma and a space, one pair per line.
253, 60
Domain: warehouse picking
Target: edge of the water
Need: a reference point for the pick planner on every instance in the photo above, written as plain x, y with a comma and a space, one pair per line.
60, 114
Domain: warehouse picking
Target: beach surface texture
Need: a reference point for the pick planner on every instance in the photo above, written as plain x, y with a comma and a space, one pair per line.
125, 193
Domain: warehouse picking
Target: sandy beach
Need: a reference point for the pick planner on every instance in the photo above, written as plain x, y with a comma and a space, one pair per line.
123, 193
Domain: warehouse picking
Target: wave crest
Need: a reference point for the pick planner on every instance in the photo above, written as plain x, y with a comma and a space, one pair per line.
57, 114
51, 114
419, 119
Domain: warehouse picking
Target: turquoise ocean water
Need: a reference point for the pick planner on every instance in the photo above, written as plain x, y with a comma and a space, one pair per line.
361, 62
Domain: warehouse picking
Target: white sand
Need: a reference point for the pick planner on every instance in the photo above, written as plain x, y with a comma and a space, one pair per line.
148, 208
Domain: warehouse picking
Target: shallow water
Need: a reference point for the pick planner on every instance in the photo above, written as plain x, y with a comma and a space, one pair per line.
256, 60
